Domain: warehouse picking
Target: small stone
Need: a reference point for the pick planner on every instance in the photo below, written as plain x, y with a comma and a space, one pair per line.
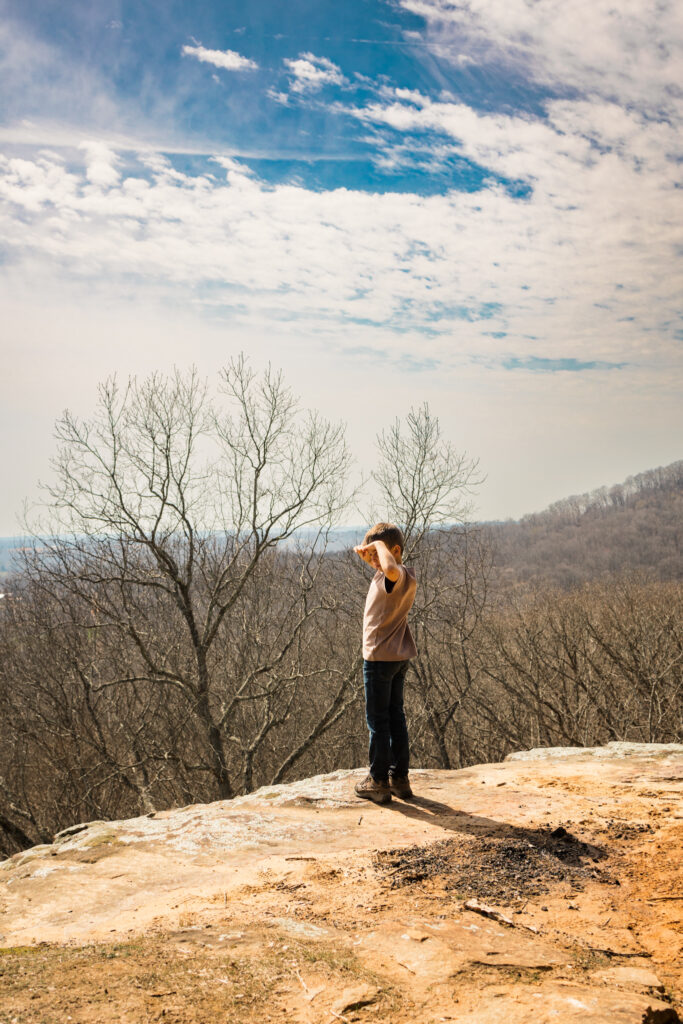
639, 977
351, 998
481, 908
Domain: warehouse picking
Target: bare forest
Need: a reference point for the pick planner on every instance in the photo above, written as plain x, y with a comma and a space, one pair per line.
181, 630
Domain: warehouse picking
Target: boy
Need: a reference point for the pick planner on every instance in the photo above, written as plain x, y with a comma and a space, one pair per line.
387, 647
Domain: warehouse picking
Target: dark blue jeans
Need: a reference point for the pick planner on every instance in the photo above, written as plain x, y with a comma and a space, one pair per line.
386, 718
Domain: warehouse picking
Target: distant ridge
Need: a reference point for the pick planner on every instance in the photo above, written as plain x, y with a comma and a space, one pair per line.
636, 525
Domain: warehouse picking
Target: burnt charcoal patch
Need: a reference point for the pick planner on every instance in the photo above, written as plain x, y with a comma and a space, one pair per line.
502, 870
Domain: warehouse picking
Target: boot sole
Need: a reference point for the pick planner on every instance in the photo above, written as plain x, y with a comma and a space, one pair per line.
379, 798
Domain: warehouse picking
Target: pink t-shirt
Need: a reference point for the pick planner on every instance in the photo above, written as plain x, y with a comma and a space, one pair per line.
386, 634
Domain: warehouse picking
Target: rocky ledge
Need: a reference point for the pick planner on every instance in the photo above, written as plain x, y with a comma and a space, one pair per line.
545, 888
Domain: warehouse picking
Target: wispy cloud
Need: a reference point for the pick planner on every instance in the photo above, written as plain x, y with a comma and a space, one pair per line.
310, 73
228, 60
37, 80
629, 52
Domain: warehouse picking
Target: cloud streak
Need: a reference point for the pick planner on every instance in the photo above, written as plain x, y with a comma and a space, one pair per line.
540, 365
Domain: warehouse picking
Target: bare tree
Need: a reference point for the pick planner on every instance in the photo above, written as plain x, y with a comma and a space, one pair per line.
454, 568
166, 508
424, 482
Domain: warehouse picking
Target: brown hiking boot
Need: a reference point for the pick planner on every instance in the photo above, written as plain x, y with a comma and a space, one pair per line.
400, 786
369, 789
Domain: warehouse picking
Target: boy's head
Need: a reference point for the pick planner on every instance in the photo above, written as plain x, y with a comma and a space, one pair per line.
387, 532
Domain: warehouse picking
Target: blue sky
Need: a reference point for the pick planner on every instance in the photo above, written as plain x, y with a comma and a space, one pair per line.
476, 204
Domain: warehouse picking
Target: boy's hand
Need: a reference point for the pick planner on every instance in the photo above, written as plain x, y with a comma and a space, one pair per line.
368, 552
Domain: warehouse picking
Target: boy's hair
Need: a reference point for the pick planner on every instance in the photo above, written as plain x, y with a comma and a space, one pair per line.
390, 534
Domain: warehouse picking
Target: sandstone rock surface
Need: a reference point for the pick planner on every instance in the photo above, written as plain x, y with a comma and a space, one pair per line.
284, 904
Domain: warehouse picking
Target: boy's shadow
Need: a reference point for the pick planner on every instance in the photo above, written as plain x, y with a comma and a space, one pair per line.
557, 842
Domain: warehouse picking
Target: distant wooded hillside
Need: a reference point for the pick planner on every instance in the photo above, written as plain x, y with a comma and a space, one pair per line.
635, 525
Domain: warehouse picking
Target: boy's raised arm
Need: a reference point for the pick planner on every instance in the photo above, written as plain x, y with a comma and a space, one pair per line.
388, 563
382, 560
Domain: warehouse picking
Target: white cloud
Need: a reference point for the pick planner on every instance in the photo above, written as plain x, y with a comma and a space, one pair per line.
228, 60
101, 164
279, 97
310, 73
631, 52
521, 146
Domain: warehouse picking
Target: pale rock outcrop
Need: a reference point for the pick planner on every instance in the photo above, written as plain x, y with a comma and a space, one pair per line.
567, 858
